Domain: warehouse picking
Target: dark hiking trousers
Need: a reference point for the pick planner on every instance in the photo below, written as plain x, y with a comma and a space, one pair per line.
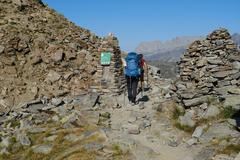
132, 85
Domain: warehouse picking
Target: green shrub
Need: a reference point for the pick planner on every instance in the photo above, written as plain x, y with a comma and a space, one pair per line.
177, 113
184, 128
231, 149
228, 112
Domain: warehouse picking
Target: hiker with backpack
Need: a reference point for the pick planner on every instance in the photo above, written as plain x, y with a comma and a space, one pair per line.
143, 67
132, 73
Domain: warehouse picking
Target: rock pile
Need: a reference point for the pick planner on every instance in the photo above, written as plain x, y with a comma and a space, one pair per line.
210, 67
43, 54
43, 127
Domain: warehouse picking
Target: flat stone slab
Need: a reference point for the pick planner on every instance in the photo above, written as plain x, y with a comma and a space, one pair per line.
43, 149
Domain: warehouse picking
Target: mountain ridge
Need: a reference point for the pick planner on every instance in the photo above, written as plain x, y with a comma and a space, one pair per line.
171, 49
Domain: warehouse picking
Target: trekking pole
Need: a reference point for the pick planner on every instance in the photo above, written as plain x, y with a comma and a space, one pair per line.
147, 78
124, 95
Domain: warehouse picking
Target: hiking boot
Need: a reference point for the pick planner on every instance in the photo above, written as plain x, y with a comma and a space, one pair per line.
134, 103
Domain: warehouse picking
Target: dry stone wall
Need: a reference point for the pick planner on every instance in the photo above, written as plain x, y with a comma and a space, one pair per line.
210, 67
110, 78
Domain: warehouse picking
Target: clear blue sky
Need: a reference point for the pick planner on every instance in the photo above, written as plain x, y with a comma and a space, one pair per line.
134, 21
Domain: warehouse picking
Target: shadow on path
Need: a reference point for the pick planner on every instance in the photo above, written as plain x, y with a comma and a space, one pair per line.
144, 99
236, 117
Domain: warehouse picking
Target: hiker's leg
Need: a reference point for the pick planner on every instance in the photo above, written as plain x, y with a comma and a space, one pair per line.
141, 80
129, 88
135, 86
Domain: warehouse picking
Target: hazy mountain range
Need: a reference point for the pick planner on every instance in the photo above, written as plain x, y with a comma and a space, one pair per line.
171, 50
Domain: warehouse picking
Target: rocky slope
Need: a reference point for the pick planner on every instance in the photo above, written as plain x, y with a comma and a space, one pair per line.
43, 54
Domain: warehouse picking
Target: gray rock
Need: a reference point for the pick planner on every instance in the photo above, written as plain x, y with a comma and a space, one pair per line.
206, 153
192, 141
215, 61
73, 138
48, 107
35, 108
25, 124
238, 157
70, 55
4, 151
53, 76
188, 95
58, 55
132, 119
173, 143
37, 130
234, 91
181, 86
1, 49
23, 139
233, 101
195, 101
36, 60
131, 128
51, 138
218, 130
56, 101
203, 106
5, 142
88, 100
224, 83
198, 132
212, 111
3, 21
236, 64
141, 105
55, 118
43, 149
92, 117
144, 124
187, 120
223, 74
232, 122
67, 100
93, 146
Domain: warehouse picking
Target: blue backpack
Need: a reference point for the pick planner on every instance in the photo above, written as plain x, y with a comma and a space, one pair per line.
133, 67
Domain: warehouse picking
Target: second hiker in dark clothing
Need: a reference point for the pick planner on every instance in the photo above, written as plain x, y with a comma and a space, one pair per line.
132, 72
144, 69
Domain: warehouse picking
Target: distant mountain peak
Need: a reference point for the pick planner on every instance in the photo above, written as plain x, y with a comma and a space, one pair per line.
171, 49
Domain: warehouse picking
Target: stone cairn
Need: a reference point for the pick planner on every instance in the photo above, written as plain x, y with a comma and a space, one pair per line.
209, 67
110, 79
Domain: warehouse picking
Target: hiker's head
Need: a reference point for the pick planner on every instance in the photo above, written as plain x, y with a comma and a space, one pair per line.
140, 56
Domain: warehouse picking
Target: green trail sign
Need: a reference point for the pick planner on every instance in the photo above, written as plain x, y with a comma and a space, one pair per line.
105, 58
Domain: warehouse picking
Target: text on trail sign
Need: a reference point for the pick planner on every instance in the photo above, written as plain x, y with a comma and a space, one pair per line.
105, 58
